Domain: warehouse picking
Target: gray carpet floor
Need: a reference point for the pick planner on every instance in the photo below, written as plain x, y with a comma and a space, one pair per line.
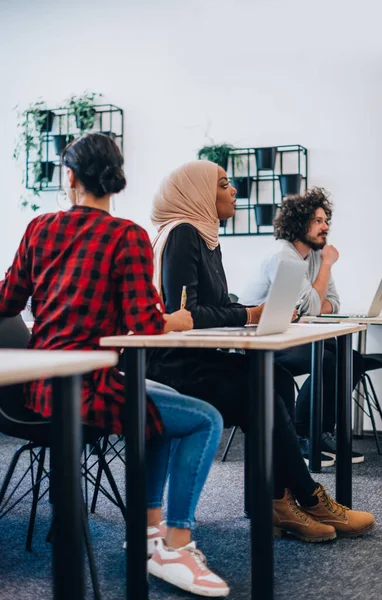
341, 569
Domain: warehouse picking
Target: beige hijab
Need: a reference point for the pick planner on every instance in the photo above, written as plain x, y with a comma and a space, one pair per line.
187, 195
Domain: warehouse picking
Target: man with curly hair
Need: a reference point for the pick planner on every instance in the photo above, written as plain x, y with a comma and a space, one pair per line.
302, 224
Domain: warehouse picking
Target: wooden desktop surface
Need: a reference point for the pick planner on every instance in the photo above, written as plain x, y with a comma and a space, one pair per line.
296, 335
18, 366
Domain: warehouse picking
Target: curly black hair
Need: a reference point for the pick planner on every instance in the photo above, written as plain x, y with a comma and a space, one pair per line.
293, 219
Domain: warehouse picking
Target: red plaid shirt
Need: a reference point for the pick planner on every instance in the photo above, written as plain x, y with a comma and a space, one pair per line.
89, 275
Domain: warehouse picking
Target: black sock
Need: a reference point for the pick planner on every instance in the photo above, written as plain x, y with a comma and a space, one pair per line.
308, 500
278, 491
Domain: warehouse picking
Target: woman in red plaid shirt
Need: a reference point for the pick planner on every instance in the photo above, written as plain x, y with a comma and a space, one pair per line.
89, 274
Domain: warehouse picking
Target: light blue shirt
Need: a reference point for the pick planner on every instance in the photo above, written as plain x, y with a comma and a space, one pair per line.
257, 289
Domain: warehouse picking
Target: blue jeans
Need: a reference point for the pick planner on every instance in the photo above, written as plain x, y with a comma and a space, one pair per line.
184, 453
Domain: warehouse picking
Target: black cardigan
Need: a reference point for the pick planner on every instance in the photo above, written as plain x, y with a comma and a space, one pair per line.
188, 261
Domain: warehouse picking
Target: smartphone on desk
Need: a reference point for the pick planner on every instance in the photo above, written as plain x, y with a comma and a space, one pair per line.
332, 316
334, 322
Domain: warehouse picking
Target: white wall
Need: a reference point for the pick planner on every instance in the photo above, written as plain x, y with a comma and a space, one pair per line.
247, 72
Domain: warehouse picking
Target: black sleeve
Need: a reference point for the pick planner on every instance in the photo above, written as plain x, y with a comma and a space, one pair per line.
180, 266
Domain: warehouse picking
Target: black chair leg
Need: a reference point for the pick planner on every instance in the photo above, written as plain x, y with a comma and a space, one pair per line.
49, 536
105, 467
36, 494
12, 468
89, 551
374, 395
365, 383
50, 487
99, 475
230, 440
86, 458
247, 475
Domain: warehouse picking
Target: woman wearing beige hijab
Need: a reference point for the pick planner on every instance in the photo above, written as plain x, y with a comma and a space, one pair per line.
186, 212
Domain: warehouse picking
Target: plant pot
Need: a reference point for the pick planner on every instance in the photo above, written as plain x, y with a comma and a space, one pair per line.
265, 213
243, 186
290, 184
109, 134
47, 170
85, 118
47, 118
265, 159
61, 141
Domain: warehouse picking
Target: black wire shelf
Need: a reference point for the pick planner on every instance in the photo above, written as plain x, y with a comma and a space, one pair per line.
43, 165
262, 178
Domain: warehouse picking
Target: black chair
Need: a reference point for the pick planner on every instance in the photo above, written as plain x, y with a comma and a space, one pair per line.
18, 422
372, 362
234, 429
115, 446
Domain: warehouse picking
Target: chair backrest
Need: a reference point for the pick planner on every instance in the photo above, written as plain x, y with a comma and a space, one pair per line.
13, 332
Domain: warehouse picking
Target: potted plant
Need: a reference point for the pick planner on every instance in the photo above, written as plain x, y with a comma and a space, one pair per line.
265, 213
33, 124
265, 158
218, 153
46, 118
61, 141
110, 134
290, 184
243, 186
83, 109
46, 171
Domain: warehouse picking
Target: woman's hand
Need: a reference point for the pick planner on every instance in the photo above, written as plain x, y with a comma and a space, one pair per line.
254, 314
181, 320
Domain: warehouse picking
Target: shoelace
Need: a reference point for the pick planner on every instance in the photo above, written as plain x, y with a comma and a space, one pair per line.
337, 509
296, 510
200, 559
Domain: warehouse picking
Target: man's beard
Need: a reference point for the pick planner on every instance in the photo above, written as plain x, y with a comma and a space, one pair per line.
313, 244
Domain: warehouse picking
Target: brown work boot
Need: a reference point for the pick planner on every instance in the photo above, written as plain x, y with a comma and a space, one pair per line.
290, 518
350, 523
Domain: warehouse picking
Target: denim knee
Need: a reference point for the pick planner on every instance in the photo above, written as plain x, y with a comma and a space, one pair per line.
214, 417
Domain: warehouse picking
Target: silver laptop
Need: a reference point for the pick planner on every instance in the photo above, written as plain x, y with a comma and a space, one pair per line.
278, 310
374, 310
376, 305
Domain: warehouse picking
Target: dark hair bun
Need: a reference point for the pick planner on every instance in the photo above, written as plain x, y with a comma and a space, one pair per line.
97, 162
112, 179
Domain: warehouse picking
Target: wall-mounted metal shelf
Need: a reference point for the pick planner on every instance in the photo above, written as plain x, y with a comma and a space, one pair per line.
60, 127
263, 177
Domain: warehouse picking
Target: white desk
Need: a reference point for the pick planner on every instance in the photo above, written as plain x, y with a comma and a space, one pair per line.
19, 366
361, 347
296, 335
260, 378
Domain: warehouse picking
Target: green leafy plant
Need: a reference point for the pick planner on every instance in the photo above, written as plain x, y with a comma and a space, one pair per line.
216, 153
31, 123
83, 109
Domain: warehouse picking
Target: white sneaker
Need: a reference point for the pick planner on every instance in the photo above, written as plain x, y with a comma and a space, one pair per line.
187, 569
154, 535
